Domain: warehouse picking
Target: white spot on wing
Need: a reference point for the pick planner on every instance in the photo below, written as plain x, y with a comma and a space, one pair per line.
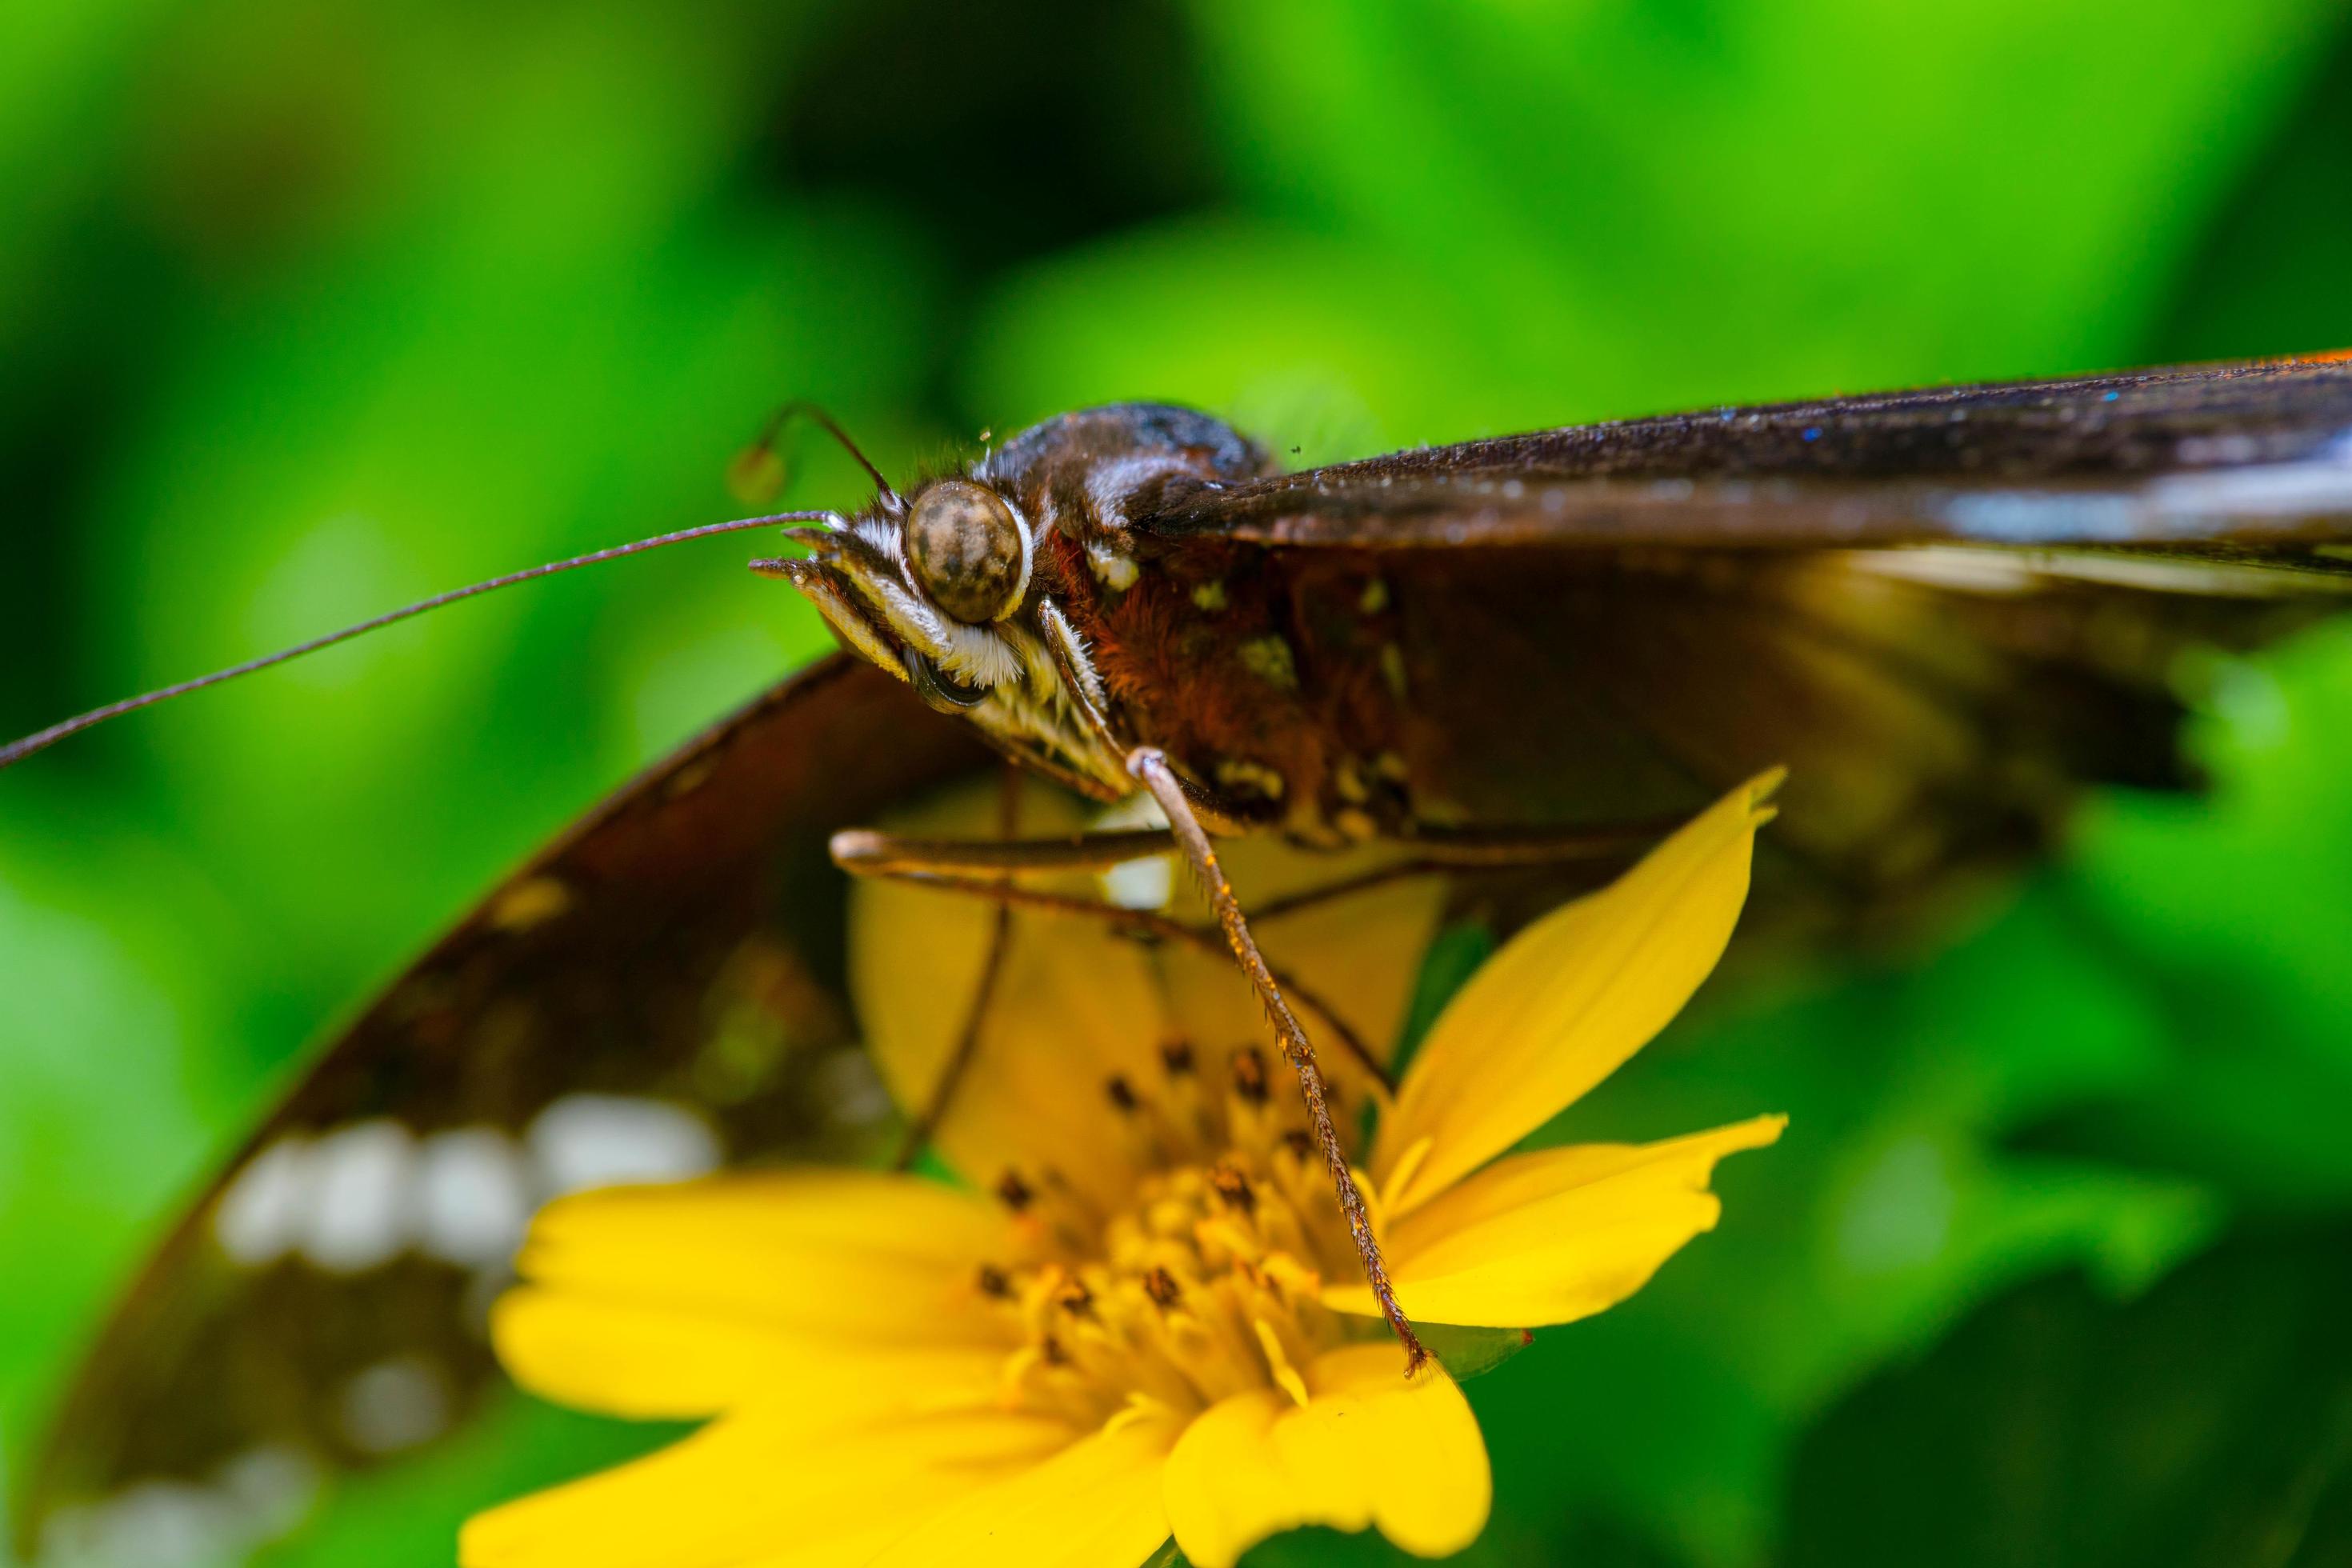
157, 1524
257, 1217
394, 1405
254, 1498
471, 1202
273, 1488
602, 1140
357, 1213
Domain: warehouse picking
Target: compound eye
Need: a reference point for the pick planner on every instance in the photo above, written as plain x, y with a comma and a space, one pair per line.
968, 551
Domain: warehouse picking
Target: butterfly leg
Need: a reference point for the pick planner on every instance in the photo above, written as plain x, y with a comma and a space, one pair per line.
864, 853
1608, 850
1149, 768
1000, 939
978, 868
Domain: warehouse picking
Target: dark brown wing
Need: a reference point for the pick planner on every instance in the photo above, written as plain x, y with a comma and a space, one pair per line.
1945, 610
660, 990
2241, 461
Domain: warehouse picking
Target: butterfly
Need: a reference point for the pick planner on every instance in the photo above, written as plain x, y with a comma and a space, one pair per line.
1947, 612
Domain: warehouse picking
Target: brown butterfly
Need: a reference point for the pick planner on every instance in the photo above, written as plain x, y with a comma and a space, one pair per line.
1947, 611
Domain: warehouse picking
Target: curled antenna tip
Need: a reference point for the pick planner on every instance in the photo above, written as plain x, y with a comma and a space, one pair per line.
889, 498
756, 475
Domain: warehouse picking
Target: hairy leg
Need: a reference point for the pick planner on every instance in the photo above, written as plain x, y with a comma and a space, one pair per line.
1151, 769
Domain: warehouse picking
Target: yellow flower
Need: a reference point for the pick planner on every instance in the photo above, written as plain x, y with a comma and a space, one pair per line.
1145, 1318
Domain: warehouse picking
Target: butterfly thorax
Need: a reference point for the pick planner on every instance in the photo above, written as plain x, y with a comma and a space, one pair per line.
1275, 686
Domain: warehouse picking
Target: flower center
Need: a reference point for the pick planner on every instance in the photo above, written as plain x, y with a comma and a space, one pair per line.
1202, 1281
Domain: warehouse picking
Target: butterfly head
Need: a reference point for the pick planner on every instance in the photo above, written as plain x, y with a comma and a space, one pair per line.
939, 589
972, 587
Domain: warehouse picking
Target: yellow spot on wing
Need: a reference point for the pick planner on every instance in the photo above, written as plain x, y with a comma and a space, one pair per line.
689, 778
1270, 660
1115, 569
1240, 773
530, 903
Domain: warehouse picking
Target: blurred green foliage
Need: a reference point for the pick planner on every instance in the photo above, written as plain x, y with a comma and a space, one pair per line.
2058, 1427
305, 311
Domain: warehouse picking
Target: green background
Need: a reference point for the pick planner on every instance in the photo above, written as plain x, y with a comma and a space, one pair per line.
307, 310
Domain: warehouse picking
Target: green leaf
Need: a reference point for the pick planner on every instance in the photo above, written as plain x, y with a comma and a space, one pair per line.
1465, 1351
2208, 1425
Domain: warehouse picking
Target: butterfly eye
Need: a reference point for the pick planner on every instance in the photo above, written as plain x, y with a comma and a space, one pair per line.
968, 551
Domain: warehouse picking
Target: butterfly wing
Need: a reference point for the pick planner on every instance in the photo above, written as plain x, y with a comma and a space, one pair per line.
2247, 462
1945, 610
659, 992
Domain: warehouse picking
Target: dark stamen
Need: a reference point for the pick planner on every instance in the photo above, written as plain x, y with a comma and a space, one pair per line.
1176, 1057
1161, 1287
1249, 1075
993, 1282
1051, 1348
1228, 1182
1014, 1192
1076, 1300
1300, 1142
1122, 1097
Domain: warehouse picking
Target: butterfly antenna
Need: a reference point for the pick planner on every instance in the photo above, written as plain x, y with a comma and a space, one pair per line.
758, 470
17, 750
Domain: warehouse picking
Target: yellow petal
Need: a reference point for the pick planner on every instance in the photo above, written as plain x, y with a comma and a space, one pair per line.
1073, 1004
1078, 1003
1095, 1504
1367, 1448
1568, 1000
1359, 956
1404, 1453
863, 1254
1557, 1235
1224, 1488
671, 1363
750, 1487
